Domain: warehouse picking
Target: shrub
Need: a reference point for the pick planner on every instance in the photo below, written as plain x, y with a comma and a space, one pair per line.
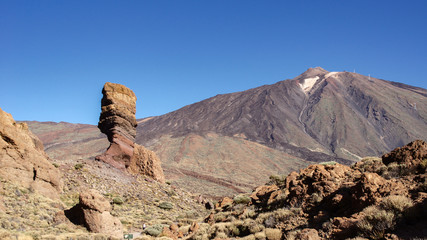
118, 200
166, 205
273, 233
241, 199
423, 165
376, 222
281, 215
396, 203
154, 230
251, 226
397, 170
328, 163
78, 166
278, 180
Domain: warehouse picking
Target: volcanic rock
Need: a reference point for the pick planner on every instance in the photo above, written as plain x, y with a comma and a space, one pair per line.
147, 163
23, 160
93, 211
410, 155
118, 122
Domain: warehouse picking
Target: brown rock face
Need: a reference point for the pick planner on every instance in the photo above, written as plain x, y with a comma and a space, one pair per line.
147, 163
93, 211
118, 122
410, 155
23, 160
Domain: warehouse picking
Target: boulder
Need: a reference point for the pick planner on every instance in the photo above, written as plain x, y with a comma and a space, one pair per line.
93, 212
23, 160
147, 163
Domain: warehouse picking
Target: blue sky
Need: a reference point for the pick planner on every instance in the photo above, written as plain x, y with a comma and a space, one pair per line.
55, 56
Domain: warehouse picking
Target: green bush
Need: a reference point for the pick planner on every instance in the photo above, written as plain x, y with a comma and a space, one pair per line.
278, 180
78, 166
166, 205
154, 230
241, 199
118, 200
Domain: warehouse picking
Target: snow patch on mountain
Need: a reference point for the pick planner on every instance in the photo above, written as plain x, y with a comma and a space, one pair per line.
308, 83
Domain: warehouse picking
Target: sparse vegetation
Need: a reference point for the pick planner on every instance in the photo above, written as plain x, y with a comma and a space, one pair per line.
328, 163
166, 205
78, 166
376, 222
154, 230
278, 180
241, 199
118, 200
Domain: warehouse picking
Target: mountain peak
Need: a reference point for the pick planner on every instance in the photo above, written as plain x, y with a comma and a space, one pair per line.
309, 78
312, 72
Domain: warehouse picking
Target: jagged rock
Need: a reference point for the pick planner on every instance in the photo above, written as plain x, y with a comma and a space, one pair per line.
23, 160
411, 155
147, 163
224, 203
93, 212
118, 122
262, 193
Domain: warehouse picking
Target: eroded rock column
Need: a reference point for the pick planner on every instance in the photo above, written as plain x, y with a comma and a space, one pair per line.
118, 122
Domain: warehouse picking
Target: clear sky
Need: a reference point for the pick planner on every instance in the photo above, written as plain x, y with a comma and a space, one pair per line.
56, 55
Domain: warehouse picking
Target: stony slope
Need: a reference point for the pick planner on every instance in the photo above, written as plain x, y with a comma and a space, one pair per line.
35, 190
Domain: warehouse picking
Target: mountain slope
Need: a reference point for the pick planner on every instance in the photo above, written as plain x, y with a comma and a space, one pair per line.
317, 116
232, 142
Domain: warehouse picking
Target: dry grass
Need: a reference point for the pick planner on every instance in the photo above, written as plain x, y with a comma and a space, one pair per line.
376, 222
396, 203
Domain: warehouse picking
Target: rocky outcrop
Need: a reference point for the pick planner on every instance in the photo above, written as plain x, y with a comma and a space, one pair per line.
411, 155
23, 160
118, 122
93, 212
374, 199
147, 163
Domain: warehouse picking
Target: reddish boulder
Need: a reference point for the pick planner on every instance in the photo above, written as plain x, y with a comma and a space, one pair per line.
411, 155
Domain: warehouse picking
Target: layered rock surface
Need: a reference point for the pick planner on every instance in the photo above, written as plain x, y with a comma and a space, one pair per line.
118, 122
23, 160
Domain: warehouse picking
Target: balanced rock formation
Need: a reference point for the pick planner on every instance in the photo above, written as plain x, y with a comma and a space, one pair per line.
118, 122
93, 212
23, 160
